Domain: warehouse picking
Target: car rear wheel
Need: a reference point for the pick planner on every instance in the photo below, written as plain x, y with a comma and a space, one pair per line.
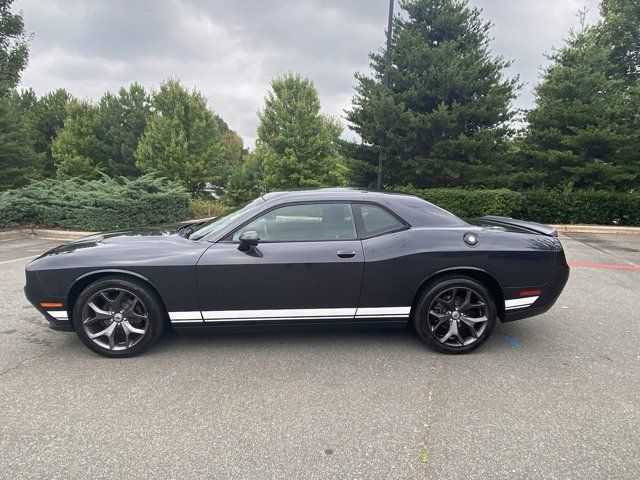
118, 317
455, 315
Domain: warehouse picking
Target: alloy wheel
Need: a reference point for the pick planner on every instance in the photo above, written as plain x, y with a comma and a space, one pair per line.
458, 316
115, 319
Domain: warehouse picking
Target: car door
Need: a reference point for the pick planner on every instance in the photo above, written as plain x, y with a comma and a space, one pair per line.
308, 267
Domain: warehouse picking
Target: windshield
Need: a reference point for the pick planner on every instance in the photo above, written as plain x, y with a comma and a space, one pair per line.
217, 224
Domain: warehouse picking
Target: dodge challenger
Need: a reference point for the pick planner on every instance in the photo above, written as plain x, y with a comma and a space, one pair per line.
317, 258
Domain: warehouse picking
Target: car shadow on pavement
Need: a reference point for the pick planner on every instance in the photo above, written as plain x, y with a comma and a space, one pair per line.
279, 339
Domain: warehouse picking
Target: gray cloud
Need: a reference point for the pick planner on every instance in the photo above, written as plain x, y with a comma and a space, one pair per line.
231, 49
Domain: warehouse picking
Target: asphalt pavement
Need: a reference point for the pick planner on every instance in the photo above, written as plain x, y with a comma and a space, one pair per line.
556, 396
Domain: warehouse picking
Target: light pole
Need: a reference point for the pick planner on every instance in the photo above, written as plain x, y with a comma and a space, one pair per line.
385, 78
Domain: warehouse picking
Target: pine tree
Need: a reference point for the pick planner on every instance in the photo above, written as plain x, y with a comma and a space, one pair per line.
444, 113
297, 145
583, 131
620, 34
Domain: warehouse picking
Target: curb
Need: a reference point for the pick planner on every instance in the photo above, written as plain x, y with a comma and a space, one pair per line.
64, 235
14, 234
597, 229
43, 234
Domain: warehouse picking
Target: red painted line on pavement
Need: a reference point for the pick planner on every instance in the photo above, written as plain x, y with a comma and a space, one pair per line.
604, 265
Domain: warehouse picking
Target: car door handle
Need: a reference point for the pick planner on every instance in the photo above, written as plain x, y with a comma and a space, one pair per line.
346, 253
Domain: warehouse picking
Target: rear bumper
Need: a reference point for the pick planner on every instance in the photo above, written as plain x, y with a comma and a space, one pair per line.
548, 296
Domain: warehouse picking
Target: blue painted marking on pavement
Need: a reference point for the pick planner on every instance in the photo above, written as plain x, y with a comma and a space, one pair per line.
511, 341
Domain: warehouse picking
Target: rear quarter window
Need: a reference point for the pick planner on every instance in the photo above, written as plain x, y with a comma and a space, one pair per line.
376, 220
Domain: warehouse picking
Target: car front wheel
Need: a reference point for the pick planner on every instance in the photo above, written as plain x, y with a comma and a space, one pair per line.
118, 317
455, 315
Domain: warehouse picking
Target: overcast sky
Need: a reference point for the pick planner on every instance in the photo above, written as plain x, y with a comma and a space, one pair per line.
231, 49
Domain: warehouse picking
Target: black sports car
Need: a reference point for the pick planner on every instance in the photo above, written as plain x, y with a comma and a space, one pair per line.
309, 258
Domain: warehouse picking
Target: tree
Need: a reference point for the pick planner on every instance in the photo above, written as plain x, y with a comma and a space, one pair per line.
102, 138
182, 140
447, 104
124, 118
79, 149
244, 181
583, 131
361, 161
619, 32
18, 160
14, 48
232, 153
46, 117
297, 145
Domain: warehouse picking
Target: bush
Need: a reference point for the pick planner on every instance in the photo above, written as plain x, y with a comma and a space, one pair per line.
471, 203
104, 204
599, 207
206, 207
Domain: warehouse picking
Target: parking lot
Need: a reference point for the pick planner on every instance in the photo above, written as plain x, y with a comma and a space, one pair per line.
556, 396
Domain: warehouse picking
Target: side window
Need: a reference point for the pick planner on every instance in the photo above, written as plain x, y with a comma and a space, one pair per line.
376, 220
309, 222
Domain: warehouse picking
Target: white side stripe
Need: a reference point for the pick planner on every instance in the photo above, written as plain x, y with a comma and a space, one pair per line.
519, 302
266, 319
59, 314
293, 313
289, 314
196, 315
383, 312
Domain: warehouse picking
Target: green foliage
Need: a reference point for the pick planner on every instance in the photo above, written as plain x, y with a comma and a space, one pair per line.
600, 207
182, 139
102, 138
244, 180
297, 145
46, 117
104, 204
201, 206
620, 34
361, 161
14, 48
18, 159
583, 132
444, 112
232, 157
471, 203
124, 118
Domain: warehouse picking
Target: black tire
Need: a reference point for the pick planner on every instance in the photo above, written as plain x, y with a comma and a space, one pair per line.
448, 294
146, 314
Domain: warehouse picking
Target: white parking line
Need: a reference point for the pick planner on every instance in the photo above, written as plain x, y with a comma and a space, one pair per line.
17, 259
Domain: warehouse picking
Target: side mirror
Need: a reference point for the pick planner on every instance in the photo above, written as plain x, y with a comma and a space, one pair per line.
248, 239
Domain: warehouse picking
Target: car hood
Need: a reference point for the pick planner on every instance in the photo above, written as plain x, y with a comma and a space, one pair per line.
129, 236
163, 230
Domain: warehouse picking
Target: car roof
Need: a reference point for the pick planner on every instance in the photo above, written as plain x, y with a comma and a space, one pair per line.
345, 193
415, 210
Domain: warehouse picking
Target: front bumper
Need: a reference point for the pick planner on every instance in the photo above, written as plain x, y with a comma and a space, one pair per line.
58, 317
